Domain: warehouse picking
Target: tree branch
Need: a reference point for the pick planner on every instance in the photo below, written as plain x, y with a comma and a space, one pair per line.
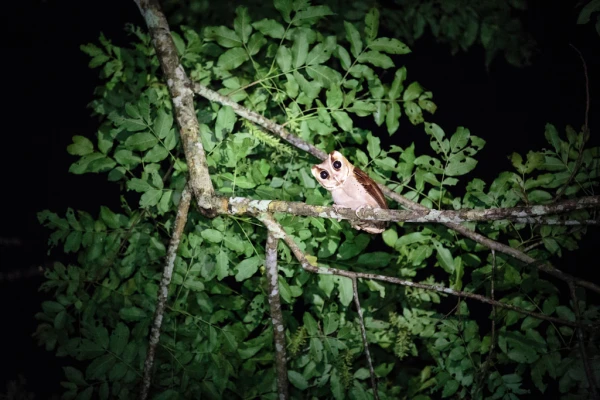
277, 230
531, 214
363, 332
183, 99
411, 205
276, 316
163, 290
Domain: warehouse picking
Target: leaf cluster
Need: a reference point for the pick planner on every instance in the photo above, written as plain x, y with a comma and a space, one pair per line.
216, 339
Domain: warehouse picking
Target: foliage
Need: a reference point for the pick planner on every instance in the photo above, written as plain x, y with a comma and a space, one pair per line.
460, 24
216, 339
589, 8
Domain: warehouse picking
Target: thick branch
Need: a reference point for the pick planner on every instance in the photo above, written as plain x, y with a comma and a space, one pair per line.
533, 214
411, 205
163, 290
277, 230
182, 96
276, 316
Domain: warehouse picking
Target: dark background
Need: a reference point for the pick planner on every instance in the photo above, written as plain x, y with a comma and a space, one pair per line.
48, 85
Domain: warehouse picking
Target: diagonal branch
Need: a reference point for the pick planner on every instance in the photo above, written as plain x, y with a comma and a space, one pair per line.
276, 229
276, 316
183, 99
163, 290
271, 126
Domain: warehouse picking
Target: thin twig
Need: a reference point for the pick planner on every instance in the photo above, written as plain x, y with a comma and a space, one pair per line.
363, 332
586, 127
276, 316
163, 290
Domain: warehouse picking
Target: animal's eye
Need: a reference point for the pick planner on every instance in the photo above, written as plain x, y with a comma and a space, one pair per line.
324, 174
337, 164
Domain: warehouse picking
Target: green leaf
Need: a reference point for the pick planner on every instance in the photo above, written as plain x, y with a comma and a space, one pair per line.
353, 37
392, 117
378, 259
212, 235
138, 185
81, 146
318, 54
285, 8
127, 158
163, 124
389, 237
193, 284
444, 257
373, 146
297, 380
331, 323
343, 120
326, 76
222, 265
98, 368
371, 24
242, 24
257, 41
412, 92
377, 59
224, 36
565, 312
225, 122
119, 339
141, 141
233, 58
156, 154
269, 27
300, 48
284, 58
132, 314
311, 15
391, 46
450, 388
117, 372
345, 290
74, 375
247, 268
150, 198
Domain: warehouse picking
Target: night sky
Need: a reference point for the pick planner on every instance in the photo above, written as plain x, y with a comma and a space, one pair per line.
48, 85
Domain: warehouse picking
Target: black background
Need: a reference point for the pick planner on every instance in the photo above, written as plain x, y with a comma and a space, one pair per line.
47, 86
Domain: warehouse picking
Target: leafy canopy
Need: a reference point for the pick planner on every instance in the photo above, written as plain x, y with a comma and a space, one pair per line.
216, 339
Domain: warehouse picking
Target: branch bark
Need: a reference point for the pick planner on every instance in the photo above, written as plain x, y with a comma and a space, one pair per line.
276, 316
531, 214
363, 333
183, 100
163, 290
276, 229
